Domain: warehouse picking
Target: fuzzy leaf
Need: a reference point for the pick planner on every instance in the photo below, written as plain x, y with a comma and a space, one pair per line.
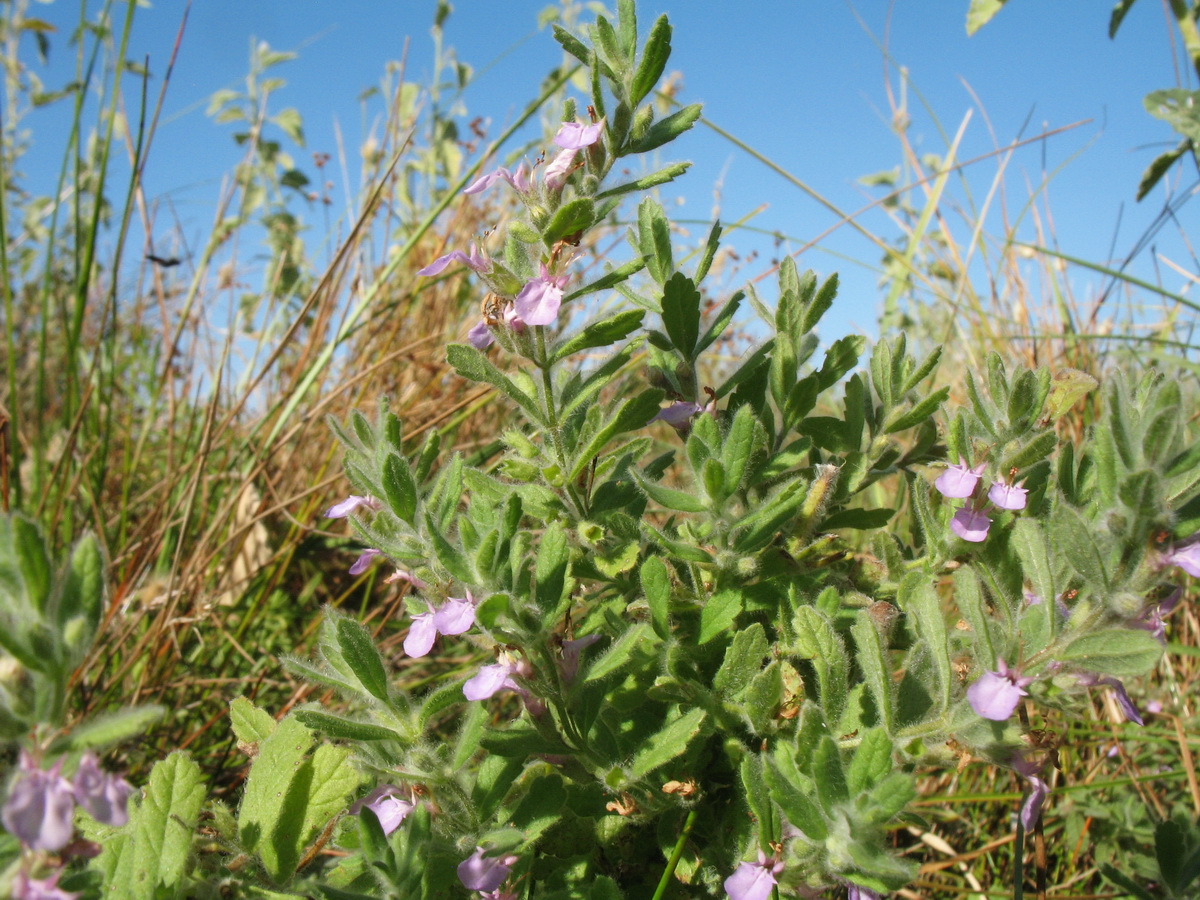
665, 745
251, 725
656, 586
358, 650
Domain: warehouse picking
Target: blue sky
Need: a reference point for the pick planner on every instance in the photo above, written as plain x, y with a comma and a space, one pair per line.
801, 81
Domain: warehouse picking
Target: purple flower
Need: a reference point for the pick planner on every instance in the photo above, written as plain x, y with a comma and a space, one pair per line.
105, 796
453, 617
573, 136
26, 888
857, 892
678, 414
1091, 679
491, 680
1031, 807
349, 505
1186, 556
1060, 605
1151, 618
484, 873
559, 169
364, 561
995, 695
1007, 496
539, 300
754, 880
385, 801
959, 481
970, 524
473, 259
518, 179
403, 575
456, 615
421, 635
40, 806
480, 337
570, 654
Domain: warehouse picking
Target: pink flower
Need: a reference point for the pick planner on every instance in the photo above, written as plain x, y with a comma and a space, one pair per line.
389, 807
480, 337
570, 654
491, 680
103, 795
1031, 807
364, 561
1091, 679
518, 179
560, 169
484, 873
453, 617
959, 481
351, 504
40, 806
754, 880
1186, 556
678, 414
856, 892
539, 300
26, 888
1007, 496
473, 260
970, 524
573, 136
995, 695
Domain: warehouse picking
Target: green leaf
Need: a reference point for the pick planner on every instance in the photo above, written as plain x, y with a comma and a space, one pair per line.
665, 175
1159, 167
1067, 388
150, 856
277, 765
569, 219
400, 488
670, 498
358, 650
797, 805
1178, 108
331, 781
872, 761
550, 570
874, 667
719, 613
290, 123
600, 334
342, 728
840, 358
1075, 537
109, 729
655, 54
471, 363
918, 598
918, 414
656, 586
631, 415
1118, 16
816, 640
33, 561
743, 659
663, 746
1120, 652
654, 239
829, 777
251, 725
666, 130
681, 313
83, 587
451, 558
619, 655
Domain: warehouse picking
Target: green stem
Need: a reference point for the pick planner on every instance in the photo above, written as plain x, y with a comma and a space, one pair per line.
669, 871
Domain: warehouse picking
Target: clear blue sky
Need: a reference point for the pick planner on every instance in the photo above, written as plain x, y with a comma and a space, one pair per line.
802, 81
